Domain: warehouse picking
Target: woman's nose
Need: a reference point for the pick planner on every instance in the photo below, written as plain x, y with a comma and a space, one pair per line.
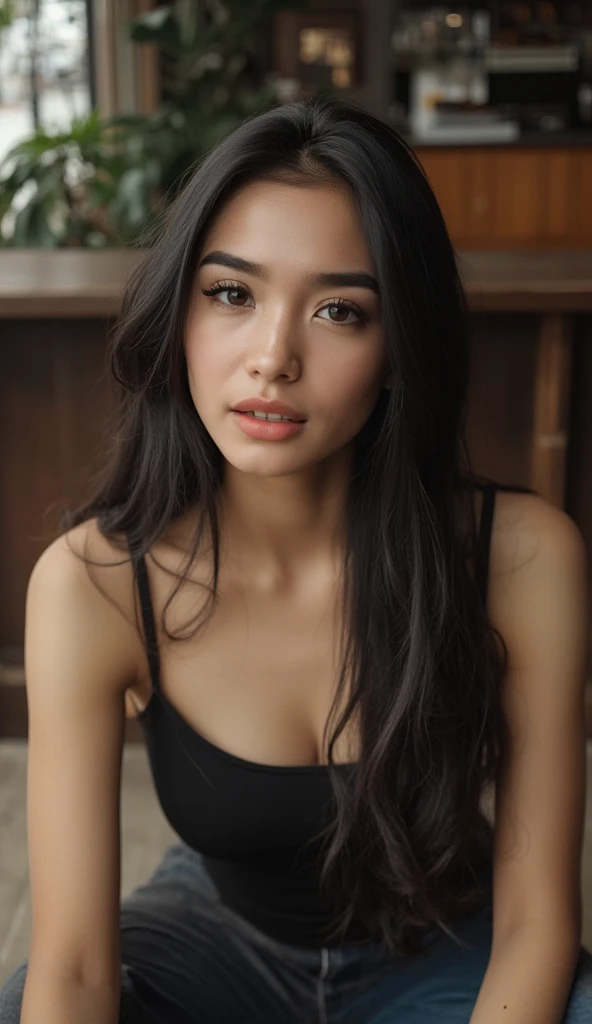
273, 352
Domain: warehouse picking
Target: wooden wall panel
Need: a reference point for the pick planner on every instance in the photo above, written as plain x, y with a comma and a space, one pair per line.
54, 401
501, 395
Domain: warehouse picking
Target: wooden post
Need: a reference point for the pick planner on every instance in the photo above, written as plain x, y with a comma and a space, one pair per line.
552, 384
147, 74
127, 75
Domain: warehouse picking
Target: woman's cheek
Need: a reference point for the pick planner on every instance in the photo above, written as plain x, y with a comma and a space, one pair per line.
206, 361
352, 386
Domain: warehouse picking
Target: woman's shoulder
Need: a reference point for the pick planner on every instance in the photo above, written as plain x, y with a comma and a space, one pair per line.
526, 525
536, 549
82, 585
83, 561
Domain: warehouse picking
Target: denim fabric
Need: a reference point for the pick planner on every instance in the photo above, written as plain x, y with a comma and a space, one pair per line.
189, 959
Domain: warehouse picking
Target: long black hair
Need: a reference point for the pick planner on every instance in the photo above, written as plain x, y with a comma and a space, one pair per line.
411, 849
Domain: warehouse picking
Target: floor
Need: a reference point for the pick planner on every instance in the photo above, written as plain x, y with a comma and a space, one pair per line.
145, 835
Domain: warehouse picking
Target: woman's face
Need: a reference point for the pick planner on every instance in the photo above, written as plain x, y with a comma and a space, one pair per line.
276, 333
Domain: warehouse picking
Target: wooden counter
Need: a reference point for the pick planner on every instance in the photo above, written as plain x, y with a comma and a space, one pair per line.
530, 415
63, 283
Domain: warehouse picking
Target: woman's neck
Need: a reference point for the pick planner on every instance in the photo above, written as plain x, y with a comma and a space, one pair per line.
275, 526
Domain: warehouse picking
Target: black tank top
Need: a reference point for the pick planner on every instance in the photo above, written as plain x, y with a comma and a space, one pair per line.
254, 824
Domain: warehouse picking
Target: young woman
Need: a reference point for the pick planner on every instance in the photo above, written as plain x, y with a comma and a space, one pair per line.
340, 642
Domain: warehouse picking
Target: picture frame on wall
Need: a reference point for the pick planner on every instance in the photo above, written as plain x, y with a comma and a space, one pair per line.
320, 48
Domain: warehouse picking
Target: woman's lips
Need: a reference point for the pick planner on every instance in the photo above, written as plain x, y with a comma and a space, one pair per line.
266, 430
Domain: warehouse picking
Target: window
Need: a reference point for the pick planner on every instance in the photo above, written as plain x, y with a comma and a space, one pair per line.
45, 74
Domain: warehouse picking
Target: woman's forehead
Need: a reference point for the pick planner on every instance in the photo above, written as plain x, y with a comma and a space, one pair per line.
270, 228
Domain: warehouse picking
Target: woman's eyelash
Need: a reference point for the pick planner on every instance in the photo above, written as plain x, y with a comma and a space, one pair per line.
229, 286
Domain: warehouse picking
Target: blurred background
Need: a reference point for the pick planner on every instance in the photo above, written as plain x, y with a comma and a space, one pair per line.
105, 105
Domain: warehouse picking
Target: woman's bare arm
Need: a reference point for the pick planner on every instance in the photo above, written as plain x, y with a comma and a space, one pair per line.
79, 657
539, 602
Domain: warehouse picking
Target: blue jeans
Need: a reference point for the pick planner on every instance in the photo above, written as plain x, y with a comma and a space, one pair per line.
189, 959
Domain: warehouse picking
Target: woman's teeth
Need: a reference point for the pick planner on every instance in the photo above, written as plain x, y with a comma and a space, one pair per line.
268, 416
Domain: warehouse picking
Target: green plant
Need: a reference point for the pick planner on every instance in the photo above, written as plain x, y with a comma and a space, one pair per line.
57, 190
106, 181
6, 13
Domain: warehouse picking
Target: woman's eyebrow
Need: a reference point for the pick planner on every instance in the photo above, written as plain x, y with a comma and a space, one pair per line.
333, 279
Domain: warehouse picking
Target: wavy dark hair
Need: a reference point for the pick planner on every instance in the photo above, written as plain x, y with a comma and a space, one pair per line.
412, 847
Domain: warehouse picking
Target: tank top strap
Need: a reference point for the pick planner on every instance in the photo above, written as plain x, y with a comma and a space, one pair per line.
150, 638
484, 540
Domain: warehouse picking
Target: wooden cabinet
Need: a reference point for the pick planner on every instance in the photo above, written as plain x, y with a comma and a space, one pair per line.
581, 208
513, 198
516, 189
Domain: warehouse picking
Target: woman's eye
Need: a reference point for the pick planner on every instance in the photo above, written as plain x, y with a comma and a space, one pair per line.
344, 308
219, 289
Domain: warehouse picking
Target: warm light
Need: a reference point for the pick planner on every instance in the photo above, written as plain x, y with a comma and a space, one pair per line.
454, 20
341, 77
312, 45
325, 46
